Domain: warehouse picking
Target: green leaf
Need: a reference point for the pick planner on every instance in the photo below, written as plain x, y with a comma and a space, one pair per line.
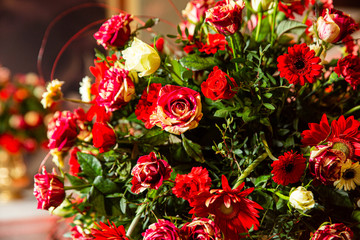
268, 95
90, 165
261, 180
288, 25
269, 106
154, 136
192, 149
195, 63
123, 205
225, 111
105, 185
149, 23
97, 199
75, 181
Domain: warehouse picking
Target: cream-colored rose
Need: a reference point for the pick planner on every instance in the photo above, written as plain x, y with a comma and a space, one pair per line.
141, 58
301, 199
327, 29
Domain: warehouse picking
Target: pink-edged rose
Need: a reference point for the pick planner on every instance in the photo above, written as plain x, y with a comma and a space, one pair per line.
201, 229
218, 85
149, 172
334, 25
115, 89
336, 231
178, 109
48, 190
325, 163
62, 131
161, 230
349, 68
103, 136
226, 16
114, 32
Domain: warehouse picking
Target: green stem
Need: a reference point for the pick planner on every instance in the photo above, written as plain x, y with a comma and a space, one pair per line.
272, 36
234, 51
77, 187
75, 100
354, 109
250, 168
277, 193
135, 221
258, 27
177, 78
267, 149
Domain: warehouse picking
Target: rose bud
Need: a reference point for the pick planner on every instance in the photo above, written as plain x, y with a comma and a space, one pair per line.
163, 229
226, 17
334, 25
261, 5
218, 85
62, 131
114, 32
115, 89
325, 163
141, 57
178, 109
334, 231
200, 228
48, 190
149, 172
103, 136
301, 199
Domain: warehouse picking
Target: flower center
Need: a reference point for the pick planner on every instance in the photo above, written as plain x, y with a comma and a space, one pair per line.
289, 167
226, 210
349, 174
299, 64
345, 147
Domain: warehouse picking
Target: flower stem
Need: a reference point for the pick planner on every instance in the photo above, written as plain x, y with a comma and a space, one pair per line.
135, 221
272, 36
250, 168
258, 27
277, 193
75, 100
267, 149
234, 51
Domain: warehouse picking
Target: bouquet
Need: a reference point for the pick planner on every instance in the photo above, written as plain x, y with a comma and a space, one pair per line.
238, 127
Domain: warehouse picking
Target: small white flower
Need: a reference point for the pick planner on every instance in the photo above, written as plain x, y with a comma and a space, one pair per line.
85, 89
53, 93
301, 199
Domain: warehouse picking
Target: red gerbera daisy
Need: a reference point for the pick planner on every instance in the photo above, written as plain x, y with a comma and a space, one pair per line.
109, 232
317, 133
300, 65
232, 212
189, 185
288, 168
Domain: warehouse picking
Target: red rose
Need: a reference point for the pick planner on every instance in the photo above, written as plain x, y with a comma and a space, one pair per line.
149, 172
62, 131
218, 85
178, 109
147, 104
349, 68
226, 16
115, 31
334, 231
115, 89
48, 190
103, 136
163, 229
189, 185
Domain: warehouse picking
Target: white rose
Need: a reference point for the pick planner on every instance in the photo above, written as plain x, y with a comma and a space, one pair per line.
301, 199
141, 58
